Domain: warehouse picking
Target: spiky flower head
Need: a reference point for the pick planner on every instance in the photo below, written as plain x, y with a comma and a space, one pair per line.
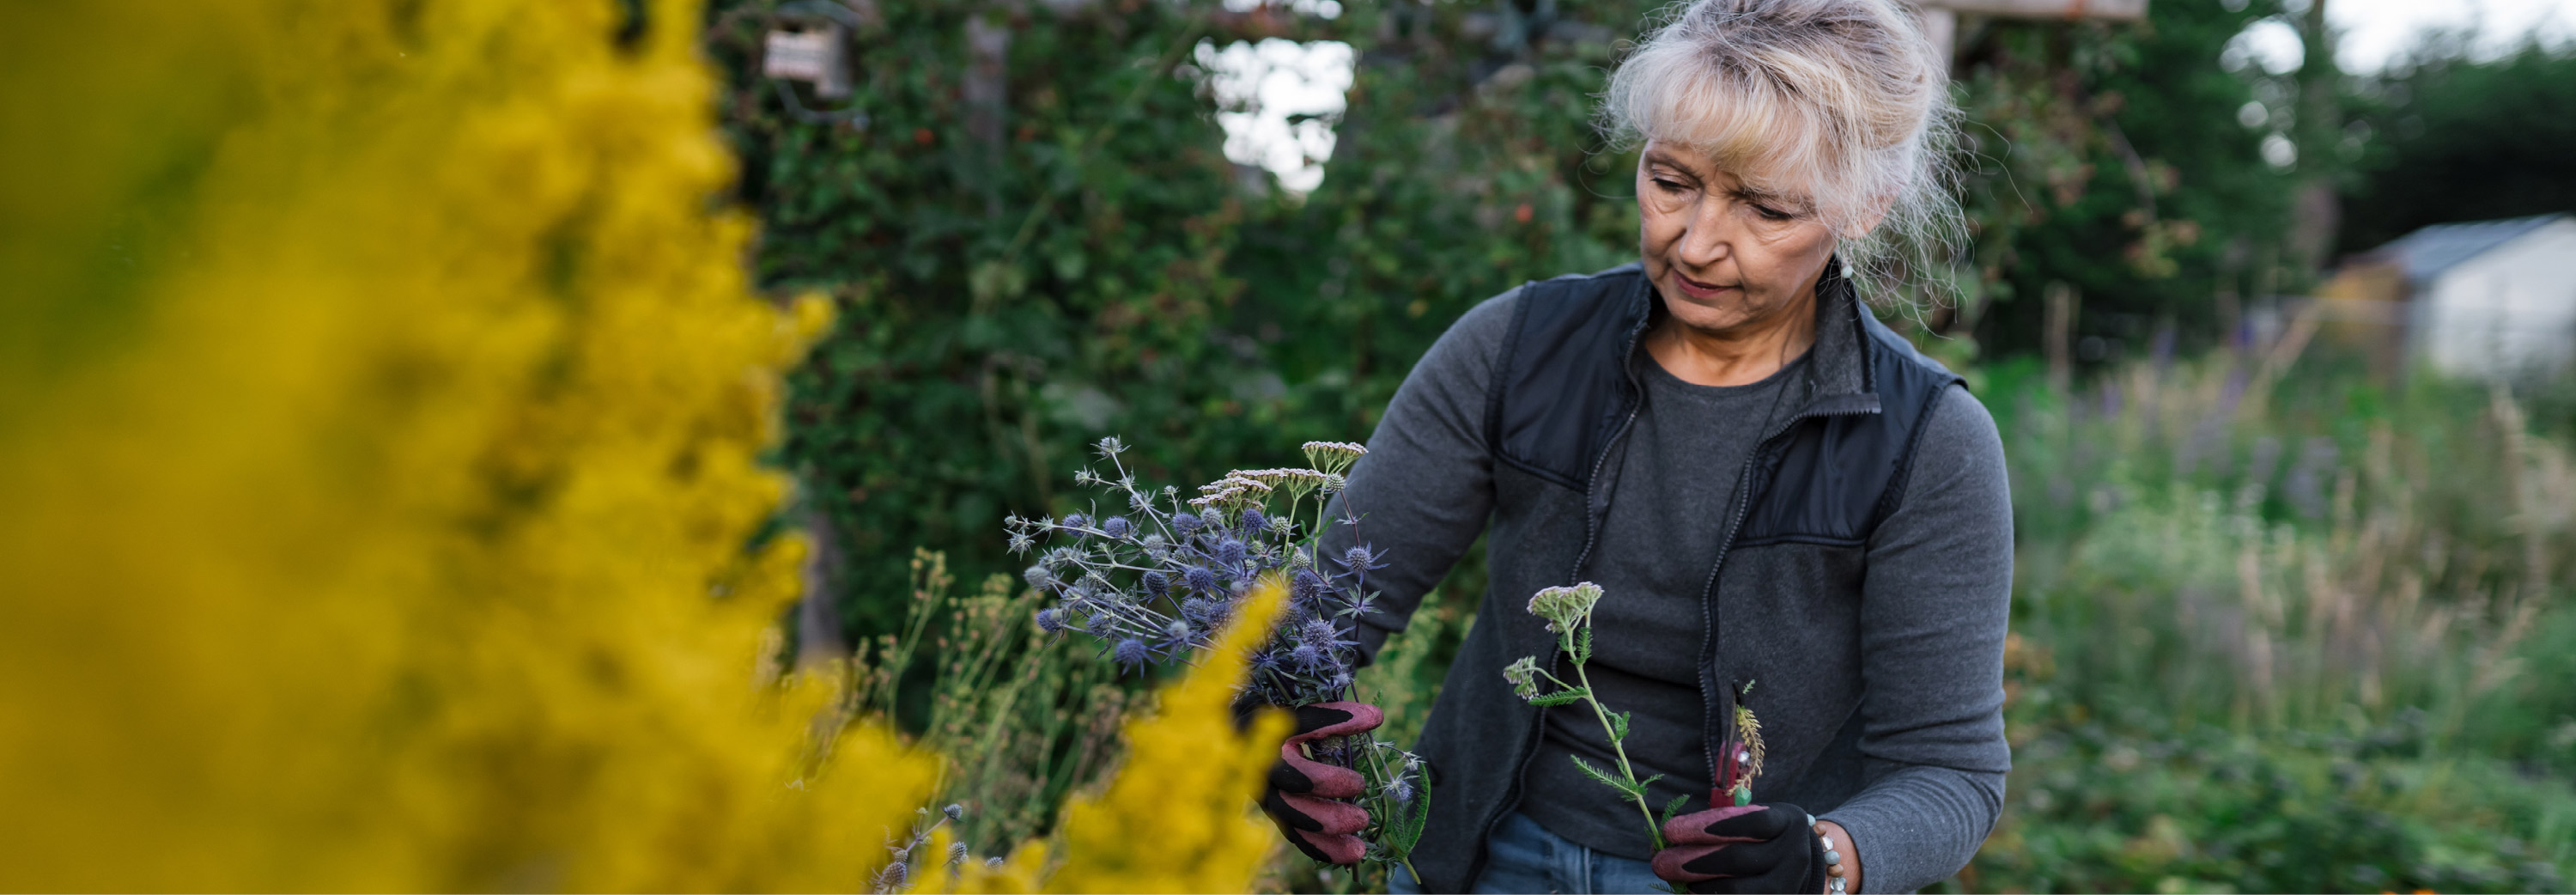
1051, 620
1200, 579
1117, 527
1155, 583
1318, 631
1037, 576
1254, 520
1132, 653
1305, 586
1524, 677
1075, 520
954, 811
1565, 608
1109, 448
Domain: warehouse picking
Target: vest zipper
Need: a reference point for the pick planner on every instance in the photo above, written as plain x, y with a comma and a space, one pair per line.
1591, 534
1709, 685
1592, 526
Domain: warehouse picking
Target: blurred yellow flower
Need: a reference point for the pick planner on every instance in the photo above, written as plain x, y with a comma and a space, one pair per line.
380, 397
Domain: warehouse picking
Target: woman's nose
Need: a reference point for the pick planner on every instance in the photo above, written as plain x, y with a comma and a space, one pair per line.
1706, 240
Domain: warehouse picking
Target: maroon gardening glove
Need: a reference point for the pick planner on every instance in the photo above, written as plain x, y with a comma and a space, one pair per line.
1742, 848
1304, 794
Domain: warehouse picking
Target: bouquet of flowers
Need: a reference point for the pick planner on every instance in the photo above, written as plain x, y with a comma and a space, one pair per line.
1154, 576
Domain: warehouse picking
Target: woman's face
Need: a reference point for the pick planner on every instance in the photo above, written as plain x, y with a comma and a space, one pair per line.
1722, 253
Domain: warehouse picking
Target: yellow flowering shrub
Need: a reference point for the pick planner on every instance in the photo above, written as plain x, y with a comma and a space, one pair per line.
380, 406
380, 394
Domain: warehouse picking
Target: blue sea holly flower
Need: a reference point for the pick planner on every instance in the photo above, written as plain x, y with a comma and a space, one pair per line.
1156, 583
1132, 653
1051, 620
1117, 527
1318, 631
1202, 611
1037, 576
1201, 579
1360, 559
1212, 518
1402, 790
1184, 523
1305, 585
1308, 658
1076, 520
1231, 553
1100, 625
1254, 519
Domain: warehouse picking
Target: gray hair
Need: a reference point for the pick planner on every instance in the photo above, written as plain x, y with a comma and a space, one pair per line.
1842, 103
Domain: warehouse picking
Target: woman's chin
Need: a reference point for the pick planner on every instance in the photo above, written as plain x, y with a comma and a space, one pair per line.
1723, 311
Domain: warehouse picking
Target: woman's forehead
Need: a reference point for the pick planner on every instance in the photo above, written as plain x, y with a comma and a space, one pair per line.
1707, 165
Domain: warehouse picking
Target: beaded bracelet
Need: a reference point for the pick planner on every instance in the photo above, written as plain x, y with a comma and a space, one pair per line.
1834, 882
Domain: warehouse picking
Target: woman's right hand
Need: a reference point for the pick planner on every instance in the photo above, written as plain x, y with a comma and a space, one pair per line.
1307, 797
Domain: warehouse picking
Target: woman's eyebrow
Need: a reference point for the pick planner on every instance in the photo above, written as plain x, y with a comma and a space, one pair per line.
1658, 159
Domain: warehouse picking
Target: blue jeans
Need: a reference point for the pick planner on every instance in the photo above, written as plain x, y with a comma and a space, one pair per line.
1522, 856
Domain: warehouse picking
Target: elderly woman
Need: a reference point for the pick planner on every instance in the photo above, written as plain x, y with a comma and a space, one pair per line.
1771, 486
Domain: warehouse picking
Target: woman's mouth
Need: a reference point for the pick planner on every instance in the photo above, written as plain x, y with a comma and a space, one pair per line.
1697, 289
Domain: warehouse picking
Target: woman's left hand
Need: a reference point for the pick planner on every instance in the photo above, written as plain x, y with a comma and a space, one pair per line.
1743, 848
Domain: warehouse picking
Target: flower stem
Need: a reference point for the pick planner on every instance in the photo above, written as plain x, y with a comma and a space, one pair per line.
1654, 831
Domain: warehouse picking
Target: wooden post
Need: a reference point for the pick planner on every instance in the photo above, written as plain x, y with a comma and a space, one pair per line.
1941, 17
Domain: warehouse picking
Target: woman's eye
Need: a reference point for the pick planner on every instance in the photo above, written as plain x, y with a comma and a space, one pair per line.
1669, 186
1769, 213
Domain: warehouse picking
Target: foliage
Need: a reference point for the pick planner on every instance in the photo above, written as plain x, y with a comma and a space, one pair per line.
2449, 137
1181, 819
381, 459
2109, 160
1016, 278
2282, 630
1019, 717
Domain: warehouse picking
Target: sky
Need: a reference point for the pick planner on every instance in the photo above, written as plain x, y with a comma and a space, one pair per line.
2377, 31
1264, 84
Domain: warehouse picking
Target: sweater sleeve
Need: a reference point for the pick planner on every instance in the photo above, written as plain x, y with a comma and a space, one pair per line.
1424, 491
1934, 611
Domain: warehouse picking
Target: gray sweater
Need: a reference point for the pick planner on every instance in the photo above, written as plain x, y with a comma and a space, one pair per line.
1938, 576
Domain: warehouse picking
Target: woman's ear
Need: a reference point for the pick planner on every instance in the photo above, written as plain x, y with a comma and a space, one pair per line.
1868, 218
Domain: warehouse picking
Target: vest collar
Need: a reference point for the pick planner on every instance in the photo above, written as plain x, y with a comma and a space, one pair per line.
1839, 371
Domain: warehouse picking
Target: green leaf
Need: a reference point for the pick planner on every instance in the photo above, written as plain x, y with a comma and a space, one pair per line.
1561, 697
1583, 645
1672, 808
1618, 726
1598, 774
